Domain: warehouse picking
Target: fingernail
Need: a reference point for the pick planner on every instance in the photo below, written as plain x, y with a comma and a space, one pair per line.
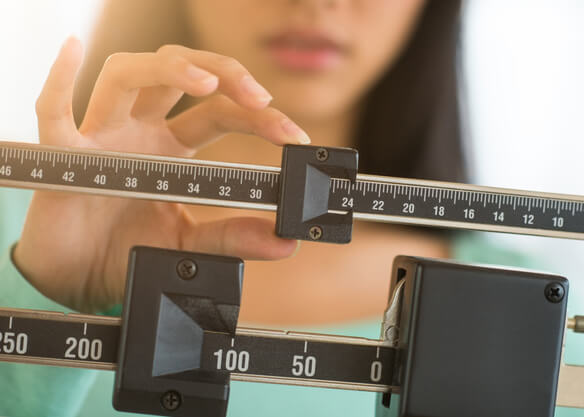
67, 41
200, 75
70, 42
252, 87
296, 250
293, 131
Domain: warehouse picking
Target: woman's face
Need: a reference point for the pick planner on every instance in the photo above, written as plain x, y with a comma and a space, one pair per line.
316, 57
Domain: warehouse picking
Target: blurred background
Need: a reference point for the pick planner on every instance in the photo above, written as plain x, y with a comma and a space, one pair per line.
523, 64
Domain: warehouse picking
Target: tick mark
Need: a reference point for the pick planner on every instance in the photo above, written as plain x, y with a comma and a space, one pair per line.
232, 341
305, 346
10, 323
84, 329
377, 353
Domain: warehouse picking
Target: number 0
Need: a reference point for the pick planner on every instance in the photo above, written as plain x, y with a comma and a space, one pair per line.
376, 368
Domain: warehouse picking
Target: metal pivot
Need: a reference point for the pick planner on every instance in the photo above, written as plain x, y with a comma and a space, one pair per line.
305, 188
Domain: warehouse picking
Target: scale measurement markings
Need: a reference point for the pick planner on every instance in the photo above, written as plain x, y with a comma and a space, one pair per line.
383, 199
280, 357
147, 177
41, 337
66, 339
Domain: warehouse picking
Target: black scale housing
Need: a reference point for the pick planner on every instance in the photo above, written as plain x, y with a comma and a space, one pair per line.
476, 341
164, 322
303, 198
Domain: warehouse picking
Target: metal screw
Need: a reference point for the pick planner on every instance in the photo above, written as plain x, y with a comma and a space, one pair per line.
554, 292
186, 269
171, 400
321, 154
315, 232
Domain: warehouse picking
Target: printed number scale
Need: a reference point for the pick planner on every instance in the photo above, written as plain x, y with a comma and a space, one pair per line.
377, 198
251, 354
88, 341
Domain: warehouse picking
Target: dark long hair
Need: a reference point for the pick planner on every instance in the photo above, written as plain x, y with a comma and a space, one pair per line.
410, 124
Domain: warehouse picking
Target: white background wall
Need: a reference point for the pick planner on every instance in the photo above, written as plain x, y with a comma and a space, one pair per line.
525, 71
524, 61
31, 33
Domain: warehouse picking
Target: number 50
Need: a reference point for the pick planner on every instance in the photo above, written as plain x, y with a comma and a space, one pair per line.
303, 366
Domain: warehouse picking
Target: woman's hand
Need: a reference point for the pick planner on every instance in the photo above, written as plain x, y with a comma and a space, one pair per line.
74, 248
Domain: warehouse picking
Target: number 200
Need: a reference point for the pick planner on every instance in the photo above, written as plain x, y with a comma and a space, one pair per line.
83, 348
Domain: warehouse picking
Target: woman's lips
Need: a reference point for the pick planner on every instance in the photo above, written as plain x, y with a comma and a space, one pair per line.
303, 51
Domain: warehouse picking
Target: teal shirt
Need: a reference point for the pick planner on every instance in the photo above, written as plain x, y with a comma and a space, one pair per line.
35, 390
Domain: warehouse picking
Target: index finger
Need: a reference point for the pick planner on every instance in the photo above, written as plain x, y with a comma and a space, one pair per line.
235, 81
54, 104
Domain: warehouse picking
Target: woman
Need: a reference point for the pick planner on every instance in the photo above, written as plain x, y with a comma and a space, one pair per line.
372, 74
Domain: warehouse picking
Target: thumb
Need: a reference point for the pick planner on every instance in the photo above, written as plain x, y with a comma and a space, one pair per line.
54, 105
244, 237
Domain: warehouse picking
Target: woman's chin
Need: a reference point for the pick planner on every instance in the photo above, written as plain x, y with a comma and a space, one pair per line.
311, 106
